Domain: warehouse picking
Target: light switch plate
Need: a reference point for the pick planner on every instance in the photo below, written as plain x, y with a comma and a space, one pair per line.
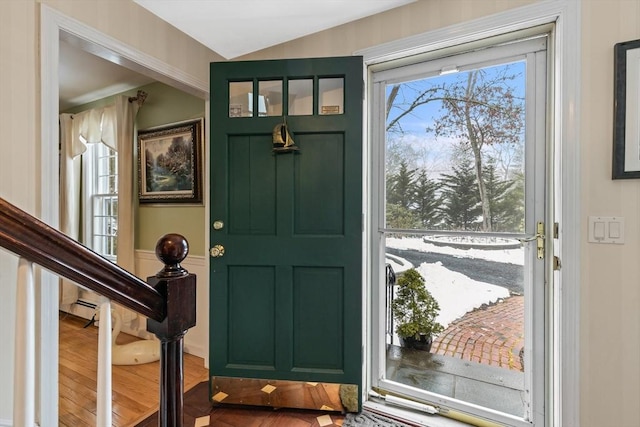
606, 229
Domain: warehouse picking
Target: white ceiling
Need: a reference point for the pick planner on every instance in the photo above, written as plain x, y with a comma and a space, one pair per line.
231, 28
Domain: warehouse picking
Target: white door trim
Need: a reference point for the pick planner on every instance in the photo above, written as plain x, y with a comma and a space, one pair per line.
565, 372
55, 25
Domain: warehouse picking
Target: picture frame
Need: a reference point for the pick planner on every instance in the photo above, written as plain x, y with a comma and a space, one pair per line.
170, 163
626, 127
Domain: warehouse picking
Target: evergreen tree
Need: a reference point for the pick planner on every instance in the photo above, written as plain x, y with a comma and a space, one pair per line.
496, 191
461, 208
427, 201
401, 218
509, 208
400, 187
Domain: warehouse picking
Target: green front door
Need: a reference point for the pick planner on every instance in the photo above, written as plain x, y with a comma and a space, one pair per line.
286, 236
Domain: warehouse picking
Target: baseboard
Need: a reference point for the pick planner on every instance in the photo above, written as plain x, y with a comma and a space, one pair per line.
9, 423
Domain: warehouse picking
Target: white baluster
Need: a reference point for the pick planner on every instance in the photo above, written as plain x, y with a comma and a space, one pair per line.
24, 383
103, 416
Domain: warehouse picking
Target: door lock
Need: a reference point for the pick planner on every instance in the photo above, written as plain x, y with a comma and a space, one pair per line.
217, 251
539, 238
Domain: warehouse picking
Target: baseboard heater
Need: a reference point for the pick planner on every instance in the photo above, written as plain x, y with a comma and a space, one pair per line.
85, 303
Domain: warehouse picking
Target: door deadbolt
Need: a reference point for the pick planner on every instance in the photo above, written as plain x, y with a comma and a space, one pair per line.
217, 251
218, 225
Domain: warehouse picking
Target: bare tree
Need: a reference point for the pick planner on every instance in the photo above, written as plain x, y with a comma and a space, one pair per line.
482, 110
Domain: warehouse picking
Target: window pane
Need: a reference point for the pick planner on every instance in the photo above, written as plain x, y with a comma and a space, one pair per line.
270, 99
442, 134
105, 225
301, 97
241, 99
454, 161
331, 96
477, 354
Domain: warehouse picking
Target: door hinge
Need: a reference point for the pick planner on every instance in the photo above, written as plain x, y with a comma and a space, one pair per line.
557, 265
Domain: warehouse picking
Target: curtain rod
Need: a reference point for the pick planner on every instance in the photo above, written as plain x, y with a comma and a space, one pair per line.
139, 98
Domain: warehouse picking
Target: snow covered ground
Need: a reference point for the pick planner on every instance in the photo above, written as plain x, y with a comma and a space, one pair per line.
456, 293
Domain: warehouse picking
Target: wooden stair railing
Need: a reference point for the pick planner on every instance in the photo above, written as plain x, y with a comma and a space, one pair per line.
168, 300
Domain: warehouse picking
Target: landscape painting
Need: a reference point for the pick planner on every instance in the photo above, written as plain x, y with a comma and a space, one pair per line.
169, 163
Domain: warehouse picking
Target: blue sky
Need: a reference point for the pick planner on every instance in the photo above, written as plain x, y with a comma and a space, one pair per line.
426, 151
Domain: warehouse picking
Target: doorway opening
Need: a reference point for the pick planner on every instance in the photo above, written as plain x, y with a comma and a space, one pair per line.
463, 154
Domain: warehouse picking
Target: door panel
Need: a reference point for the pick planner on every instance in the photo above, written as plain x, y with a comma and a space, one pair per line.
252, 170
286, 290
319, 195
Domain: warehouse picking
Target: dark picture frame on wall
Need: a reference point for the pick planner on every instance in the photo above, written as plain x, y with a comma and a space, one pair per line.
170, 163
626, 107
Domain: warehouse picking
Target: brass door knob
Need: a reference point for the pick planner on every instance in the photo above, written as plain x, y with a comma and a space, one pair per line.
217, 251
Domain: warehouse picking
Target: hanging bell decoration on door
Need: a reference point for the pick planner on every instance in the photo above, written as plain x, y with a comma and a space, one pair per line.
282, 140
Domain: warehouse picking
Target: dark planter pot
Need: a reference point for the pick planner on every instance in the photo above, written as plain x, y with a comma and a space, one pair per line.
424, 343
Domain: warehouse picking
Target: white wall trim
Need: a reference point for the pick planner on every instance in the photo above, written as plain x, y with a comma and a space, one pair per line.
565, 371
104, 46
516, 19
53, 26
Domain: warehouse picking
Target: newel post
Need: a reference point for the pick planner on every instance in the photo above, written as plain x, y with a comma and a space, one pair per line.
179, 289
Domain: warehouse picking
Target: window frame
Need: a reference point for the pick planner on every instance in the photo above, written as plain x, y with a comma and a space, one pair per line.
93, 190
464, 59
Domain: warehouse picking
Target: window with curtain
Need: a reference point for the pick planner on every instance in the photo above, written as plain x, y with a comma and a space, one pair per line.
100, 175
97, 188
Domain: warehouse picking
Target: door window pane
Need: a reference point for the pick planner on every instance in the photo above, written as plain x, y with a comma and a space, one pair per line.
444, 132
331, 96
301, 97
270, 98
241, 99
455, 148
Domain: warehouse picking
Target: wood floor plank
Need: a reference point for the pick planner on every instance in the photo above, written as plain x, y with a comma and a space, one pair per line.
135, 388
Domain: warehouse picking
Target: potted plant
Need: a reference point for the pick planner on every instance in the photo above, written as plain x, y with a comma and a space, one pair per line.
415, 311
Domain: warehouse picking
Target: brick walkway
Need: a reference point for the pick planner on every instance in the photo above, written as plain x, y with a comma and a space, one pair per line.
492, 334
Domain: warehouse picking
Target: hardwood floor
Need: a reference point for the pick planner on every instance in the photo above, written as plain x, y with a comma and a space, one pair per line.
135, 391
135, 388
201, 412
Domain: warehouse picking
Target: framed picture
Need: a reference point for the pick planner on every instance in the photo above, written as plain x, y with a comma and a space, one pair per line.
170, 163
626, 127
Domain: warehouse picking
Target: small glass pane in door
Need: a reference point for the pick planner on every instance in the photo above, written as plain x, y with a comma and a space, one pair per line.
241, 99
331, 96
270, 98
301, 97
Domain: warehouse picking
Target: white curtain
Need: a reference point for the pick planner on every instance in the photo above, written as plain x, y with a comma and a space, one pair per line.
125, 113
114, 127
70, 150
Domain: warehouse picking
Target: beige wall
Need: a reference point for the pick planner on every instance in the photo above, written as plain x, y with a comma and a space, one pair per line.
610, 283
18, 177
415, 18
